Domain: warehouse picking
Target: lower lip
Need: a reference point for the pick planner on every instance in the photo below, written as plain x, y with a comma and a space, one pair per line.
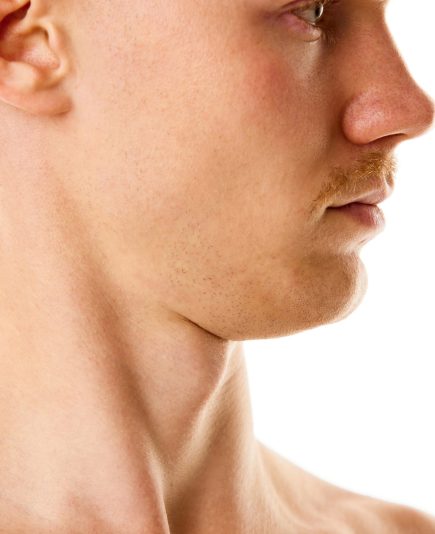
367, 214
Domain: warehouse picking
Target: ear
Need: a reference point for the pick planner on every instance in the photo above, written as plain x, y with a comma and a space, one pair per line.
33, 60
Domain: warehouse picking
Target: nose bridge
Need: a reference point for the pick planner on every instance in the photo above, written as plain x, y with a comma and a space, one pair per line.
387, 95
400, 79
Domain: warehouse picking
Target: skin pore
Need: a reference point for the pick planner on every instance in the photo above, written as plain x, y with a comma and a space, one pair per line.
166, 173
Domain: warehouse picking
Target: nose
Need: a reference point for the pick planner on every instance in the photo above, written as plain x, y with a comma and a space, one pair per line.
385, 99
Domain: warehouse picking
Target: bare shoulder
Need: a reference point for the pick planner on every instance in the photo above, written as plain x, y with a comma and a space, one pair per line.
366, 515
339, 511
403, 519
412, 520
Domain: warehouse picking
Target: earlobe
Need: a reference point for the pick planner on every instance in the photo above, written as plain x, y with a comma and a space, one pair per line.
33, 59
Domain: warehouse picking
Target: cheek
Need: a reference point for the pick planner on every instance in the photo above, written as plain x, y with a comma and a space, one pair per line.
281, 109
267, 91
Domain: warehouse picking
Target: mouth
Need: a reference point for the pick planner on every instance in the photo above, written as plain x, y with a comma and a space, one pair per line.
373, 197
368, 215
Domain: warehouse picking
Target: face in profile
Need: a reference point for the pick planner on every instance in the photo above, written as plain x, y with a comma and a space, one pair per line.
220, 135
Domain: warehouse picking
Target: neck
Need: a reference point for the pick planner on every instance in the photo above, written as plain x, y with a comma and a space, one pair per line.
115, 411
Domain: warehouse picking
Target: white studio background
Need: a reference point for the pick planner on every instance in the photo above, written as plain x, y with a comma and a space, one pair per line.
354, 402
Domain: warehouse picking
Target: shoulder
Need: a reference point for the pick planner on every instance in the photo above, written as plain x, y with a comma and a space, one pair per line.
337, 510
408, 520
366, 515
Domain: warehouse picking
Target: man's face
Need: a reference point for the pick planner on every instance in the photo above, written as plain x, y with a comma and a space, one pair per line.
213, 141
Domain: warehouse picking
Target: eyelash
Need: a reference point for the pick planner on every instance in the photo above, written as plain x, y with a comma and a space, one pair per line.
327, 34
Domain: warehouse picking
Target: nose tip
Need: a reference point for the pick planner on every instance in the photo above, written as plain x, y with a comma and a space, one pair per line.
406, 112
431, 112
425, 115
417, 111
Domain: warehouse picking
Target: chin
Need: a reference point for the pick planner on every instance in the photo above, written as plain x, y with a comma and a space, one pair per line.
321, 290
343, 292
325, 293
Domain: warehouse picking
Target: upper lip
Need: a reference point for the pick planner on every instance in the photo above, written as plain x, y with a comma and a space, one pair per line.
372, 197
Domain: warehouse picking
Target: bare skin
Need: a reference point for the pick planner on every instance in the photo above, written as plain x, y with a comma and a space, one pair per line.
166, 180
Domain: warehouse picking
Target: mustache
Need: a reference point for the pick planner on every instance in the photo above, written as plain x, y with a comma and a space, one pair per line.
369, 172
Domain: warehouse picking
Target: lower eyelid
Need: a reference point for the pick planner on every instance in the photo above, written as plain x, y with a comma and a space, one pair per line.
296, 23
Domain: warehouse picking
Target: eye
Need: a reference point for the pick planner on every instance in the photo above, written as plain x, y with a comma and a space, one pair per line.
313, 12
311, 18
